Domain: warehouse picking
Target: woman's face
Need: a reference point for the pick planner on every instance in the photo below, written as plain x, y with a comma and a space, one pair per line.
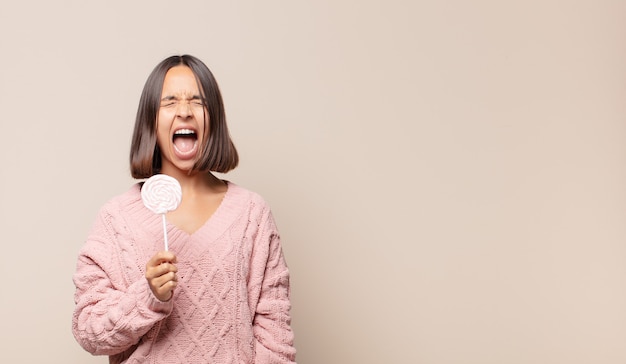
180, 120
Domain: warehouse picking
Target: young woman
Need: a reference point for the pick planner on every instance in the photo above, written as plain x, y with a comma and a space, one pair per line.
220, 294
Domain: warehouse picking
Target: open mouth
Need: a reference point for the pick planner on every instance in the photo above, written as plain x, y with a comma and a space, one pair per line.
185, 142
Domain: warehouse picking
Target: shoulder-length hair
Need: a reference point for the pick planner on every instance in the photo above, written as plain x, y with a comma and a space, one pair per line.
218, 153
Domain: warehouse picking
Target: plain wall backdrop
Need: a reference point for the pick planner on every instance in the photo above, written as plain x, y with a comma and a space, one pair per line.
449, 177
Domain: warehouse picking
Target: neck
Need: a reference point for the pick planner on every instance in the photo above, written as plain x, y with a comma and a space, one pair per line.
195, 182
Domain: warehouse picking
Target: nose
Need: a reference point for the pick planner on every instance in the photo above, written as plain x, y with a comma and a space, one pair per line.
183, 110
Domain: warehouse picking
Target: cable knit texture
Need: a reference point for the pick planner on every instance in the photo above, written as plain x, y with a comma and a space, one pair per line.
232, 301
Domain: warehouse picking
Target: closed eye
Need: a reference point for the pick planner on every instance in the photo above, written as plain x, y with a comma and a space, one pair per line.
168, 101
196, 100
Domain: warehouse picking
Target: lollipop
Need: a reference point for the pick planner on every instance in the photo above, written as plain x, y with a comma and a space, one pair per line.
161, 194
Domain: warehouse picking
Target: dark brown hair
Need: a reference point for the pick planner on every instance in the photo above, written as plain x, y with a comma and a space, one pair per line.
218, 153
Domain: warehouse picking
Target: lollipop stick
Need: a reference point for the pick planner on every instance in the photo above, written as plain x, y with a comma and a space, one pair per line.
164, 232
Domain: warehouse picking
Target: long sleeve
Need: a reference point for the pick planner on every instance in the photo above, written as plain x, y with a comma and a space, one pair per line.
270, 283
114, 305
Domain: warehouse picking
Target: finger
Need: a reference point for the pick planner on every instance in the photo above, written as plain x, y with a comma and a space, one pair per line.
162, 257
166, 292
164, 280
161, 269
163, 287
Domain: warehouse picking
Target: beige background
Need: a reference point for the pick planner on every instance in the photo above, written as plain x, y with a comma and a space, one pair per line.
449, 176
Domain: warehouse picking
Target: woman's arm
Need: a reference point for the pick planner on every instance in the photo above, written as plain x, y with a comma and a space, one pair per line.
111, 314
272, 320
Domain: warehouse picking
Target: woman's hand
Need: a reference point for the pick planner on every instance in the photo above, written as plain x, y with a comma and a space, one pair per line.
161, 275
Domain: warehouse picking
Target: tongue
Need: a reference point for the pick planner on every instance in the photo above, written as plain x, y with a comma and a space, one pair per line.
184, 144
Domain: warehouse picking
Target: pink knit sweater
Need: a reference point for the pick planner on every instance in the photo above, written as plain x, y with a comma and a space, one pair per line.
232, 301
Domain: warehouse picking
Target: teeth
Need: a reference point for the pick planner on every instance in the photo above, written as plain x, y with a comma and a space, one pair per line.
184, 132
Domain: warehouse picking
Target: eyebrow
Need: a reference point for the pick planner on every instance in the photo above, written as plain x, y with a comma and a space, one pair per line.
171, 97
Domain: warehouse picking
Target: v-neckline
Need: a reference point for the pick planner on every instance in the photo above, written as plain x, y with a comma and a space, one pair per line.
209, 221
206, 234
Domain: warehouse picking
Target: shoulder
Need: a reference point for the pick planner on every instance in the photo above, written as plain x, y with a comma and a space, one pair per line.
249, 212
111, 242
126, 201
119, 217
118, 211
244, 196
244, 205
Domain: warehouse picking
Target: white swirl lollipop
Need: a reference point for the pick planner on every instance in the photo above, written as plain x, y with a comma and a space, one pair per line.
161, 194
